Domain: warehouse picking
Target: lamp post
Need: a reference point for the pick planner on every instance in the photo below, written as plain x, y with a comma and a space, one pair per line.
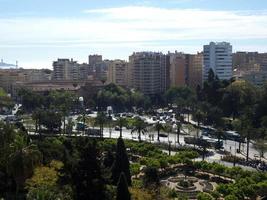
81, 100
170, 147
109, 111
235, 155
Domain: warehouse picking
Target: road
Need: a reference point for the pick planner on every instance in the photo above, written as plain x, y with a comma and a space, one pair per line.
151, 136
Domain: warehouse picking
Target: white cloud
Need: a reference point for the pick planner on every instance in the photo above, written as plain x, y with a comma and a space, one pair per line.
131, 24
132, 28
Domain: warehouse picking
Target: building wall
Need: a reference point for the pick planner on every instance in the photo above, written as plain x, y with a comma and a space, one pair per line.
177, 69
65, 69
94, 59
117, 72
250, 66
195, 67
218, 57
257, 78
148, 72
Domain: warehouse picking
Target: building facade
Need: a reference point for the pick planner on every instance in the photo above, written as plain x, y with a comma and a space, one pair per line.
250, 66
65, 69
94, 59
148, 72
218, 57
194, 69
177, 69
117, 72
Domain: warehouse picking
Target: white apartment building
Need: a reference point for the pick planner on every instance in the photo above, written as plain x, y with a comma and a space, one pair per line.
218, 57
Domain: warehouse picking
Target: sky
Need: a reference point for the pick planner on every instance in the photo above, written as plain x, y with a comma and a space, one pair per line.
37, 32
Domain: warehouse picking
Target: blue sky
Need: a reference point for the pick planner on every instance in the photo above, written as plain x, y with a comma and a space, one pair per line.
36, 32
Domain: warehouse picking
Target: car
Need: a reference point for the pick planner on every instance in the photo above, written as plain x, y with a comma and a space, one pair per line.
117, 128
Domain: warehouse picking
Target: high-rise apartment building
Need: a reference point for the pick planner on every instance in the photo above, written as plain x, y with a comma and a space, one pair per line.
250, 66
94, 59
185, 69
148, 72
60, 69
117, 72
194, 69
98, 66
218, 57
65, 69
177, 69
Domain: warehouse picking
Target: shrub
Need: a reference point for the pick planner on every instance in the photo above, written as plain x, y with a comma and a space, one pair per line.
204, 196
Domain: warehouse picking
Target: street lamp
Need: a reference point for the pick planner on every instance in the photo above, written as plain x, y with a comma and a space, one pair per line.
170, 147
109, 111
81, 100
175, 127
235, 155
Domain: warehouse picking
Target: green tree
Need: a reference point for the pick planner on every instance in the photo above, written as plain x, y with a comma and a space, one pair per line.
101, 120
261, 146
108, 159
51, 120
247, 129
212, 89
139, 126
204, 196
121, 163
5, 100
30, 100
231, 197
62, 102
237, 96
52, 148
178, 132
7, 136
87, 178
151, 177
158, 128
135, 168
181, 96
122, 189
199, 116
121, 122
44, 183
69, 127
36, 116
204, 145
23, 160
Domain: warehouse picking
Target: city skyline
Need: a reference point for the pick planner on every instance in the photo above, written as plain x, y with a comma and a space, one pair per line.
38, 32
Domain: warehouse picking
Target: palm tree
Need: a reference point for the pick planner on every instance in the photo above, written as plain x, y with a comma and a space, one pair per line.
261, 146
101, 120
204, 144
23, 159
179, 126
220, 136
7, 136
180, 103
69, 126
199, 116
158, 128
121, 122
64, 112
139, 126
36, 116
247, 127
168, 129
